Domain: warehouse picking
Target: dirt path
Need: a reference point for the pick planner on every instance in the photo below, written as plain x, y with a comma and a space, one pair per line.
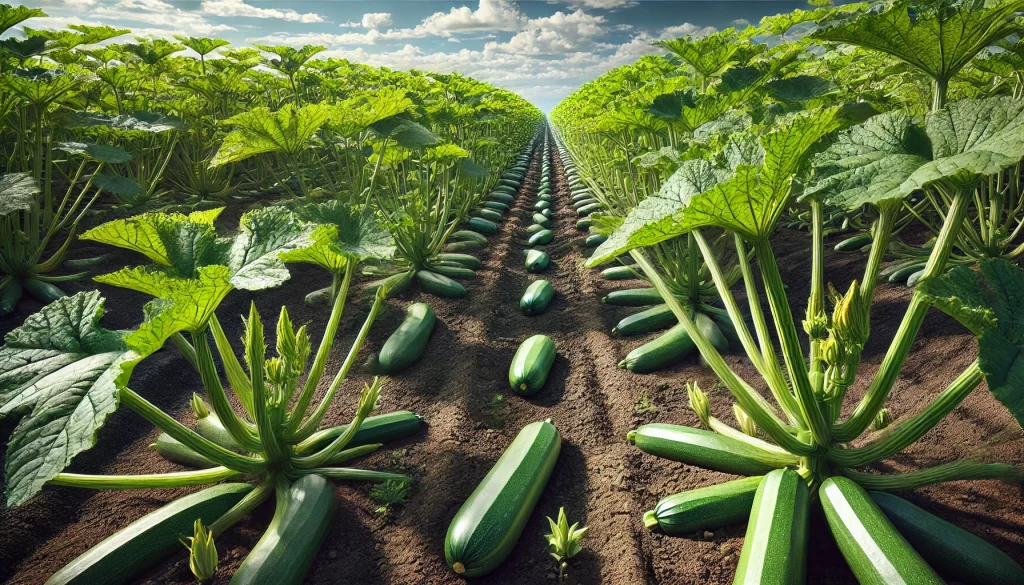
600, 479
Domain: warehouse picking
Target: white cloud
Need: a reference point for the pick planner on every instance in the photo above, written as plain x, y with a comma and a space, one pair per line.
601, 4
559, 33
376, 20
489, 15
235, 8
686, 29
740, 23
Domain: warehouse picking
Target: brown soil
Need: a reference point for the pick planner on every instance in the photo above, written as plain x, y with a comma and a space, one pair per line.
600, 479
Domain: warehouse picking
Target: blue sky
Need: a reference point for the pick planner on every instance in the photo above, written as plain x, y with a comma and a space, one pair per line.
542, 49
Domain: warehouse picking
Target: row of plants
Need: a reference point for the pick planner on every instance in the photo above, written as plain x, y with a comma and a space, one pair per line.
906, 118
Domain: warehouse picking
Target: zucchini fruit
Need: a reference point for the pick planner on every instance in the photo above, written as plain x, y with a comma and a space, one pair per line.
542, 238
489, 214
483, 226
707, 508
853, 244
9, 300
440, 285
951, 550
541, 220
122, 556
537, 260
904, 273
409, 341
656, 318
381, 428
464, 246
43, 292
621, 273
583, 224
501, 198
287, 549
173, 450
471, 262
709, 329
594, 240
775, 547
536, 298
531, 365
211, 428
876, 552
496, 206
702, 448
633, 297
661, 352
487, 526
541, 205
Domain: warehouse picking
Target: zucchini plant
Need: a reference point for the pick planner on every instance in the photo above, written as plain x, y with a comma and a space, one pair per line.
802, 434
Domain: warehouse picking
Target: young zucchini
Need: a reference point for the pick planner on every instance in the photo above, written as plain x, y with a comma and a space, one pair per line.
542, 238
709, 329
583, 202
211, 428
534, 228
496, 206
594, 240
537, 261
381, 428
951, 550
505, 189
509, 182
541, 220
876, 552
853, 244
621, 273
633, 297
440, 285
904, 273
9, 300
487, 526
501, 198
451, 270
775, 547
583, 224
489, 215
654, 319
43, 292
704, 449
409, 341
588, 209
483, 226
708, 508
536, 298
546, 213
172, 450
124, 555
286, 550
531, 365
668, 348
464, 246
541, 205
470, 236
471, 262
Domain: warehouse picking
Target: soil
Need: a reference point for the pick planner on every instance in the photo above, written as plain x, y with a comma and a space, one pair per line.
601, 480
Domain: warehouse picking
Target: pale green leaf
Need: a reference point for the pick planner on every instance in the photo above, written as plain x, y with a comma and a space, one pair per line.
17, 192
255, 253
259, 131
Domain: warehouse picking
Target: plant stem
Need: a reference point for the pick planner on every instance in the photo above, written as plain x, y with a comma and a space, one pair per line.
964, 469
347, 473
186, 349
149, 481
242, 433
247, 504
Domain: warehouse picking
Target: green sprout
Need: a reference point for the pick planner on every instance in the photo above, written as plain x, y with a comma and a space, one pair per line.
564, 541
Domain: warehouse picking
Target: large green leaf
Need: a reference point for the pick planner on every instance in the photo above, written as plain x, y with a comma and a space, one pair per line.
120, 186
17, 192
157, 235
97, 152
708, 56
254, 256
407, 133
989, 302
11, 15
183, 304
259, 131
342, 234
60, 373
799, 88
939, 37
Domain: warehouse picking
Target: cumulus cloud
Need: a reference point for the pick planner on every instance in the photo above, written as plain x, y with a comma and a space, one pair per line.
489, 15
559, 33
686, 29
235, 8
376, 20
600, 4
168, 19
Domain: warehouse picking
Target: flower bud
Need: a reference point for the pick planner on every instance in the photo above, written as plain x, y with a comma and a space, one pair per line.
850, 318
746, 423
832, 351
199, 407
816, 324
882, 419
202, 558
699, 402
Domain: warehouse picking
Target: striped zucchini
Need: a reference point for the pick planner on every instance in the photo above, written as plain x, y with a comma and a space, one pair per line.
211, 428
536, 298
709, 329
531, 365
913, 279
409, 341
542, 238
594, 240
483, 226
705, 449
510, 182
541, 220
124, 555
853, 244
905, 272
621, 272
537, 261
654, 319
588, 209
506, 189
440, 285
496, 206
489, 215
471, 262
775, 547
286, 550
583, 203
464, 246
876, 552
707, 508
451, 269
951, 550
172, 450
633, 297
487, 526
381, 428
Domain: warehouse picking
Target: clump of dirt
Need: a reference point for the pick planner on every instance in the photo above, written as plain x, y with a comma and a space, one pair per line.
600, 480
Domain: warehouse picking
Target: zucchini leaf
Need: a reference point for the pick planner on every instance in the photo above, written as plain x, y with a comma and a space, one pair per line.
60, 373
17, 192
259, 131
709, 56
342, 234
989, 303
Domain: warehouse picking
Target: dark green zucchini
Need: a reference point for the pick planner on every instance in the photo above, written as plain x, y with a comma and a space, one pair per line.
405, 346
951, 550
709, 329
594, 240
125, 555
488, 525
542, 238
703, 448
9, 300
464, 246
583, 224
546, 213
540, 205
483, 226
655, 318
904, 273
470, 236
395, 282
588, 209
464, 259
505, 189
451, 269
775, 547
531, 365
489, 215
873, 548
536, 298
537, 261
440, 285
43, 292
381, 428
509, 182
496, 206
173, 450
534, 228
621, 273
501, 198
541, 220
853, 244
286, 550
583, 202
707, 508
211, 428
633, 297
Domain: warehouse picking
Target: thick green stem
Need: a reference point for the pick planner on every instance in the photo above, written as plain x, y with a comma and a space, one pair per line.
238, 430
247, 504
964, 469
352, 474
237, 378
881, 233
772, 454
149, 481
186, 349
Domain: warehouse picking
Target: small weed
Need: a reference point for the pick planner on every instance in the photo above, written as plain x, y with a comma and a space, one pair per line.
644, 405
564, 541
494, 412
389, 494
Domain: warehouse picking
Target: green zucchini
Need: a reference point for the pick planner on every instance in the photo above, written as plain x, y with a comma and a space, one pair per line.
546, 213
665, 350
126, 554
594, 240
633, 297
655, 318
456, 271
709, 329
211, 428
545, 190
534, 228
775, 547
708, 508
951, 550
531, 365
577, 197
501, 198
9, 300
381, 428
588, 209
487, 526
43, 292
470, 236
440, 285
319, 298
286, 550
913, 279
583, 202
542, 238
853, 244
464, 246
496, 206
536, 298
506, 189
545, 197
489, 215
483, 226
876, 552
409, 341
509, 182
702, 448
395, 282
894, 266
904, 273
172, 450
541, 220
583, 224
465, 259
621, 272
537, 260
540, 205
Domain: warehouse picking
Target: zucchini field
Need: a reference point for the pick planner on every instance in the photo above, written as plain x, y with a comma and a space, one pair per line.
738, 312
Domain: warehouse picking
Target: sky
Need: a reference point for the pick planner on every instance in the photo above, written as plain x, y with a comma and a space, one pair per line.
541, 49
